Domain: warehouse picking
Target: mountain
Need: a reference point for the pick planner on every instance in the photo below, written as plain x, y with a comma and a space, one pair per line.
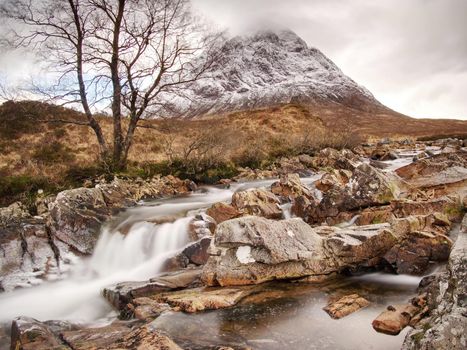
267, 69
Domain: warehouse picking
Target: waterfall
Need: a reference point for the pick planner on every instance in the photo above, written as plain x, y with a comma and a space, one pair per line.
137, 255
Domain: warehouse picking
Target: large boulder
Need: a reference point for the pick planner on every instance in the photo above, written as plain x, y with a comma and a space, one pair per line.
367, 187
221, 212
332, 158
257, 202
252, 250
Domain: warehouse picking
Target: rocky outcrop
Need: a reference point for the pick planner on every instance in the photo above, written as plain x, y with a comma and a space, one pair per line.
332, 158
253, 250
257, 202
366, 187
446, 326
290, 187
445, 173
346, 305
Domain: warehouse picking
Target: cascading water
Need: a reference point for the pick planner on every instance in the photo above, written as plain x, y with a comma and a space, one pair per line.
131, 248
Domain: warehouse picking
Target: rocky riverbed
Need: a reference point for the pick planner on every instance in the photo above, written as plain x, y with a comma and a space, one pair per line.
327, 254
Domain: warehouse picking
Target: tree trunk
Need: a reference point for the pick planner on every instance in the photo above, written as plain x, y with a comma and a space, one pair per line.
117, 90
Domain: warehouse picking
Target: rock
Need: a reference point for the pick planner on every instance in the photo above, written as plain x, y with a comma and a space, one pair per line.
143, 338
446, 326
30, 334
346, 305
415, 253
202, 225
123, 293
77, 216
301, 207
289, 187
26, 253
197, 252
14, 213
333, 179
147, 309
252, 250
221, 212
394, 319
331, 158
446, 170
292, 166
95, 337
367, 187
451, 207
383, 154
195, 300
257, 202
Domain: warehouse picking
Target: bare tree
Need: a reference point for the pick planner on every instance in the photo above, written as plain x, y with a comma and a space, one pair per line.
129, 55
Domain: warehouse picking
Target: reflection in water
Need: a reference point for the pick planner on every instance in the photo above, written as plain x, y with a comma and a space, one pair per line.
290, 316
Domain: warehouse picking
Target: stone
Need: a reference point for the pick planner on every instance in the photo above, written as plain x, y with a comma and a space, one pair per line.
257, 202
30, 334
253, 250
202, 225
195, 300
221, 212
197, 252
346, 305
123, 293
367, 187
445, 327
289, 187
394, 319
334, 178
332, 158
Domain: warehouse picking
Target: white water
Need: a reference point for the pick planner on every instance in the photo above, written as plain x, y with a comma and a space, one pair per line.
137, 255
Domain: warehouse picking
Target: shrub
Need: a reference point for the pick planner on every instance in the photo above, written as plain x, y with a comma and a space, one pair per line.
54, 152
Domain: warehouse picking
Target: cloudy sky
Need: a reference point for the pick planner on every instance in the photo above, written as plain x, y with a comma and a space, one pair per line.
412, 54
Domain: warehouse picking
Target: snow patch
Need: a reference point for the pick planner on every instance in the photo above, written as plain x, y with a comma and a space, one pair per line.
244, 255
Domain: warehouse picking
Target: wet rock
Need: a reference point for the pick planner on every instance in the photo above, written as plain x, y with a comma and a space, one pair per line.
301, 206
202, 225
147, 309
76, 217
197, 252
26, 253
257, 202
395, 319
96, 337
415, 253
30, 334
145, 337
446, 326
383, 154
123, 293
195, 300
253, 250
346, 305
221, 212
289, 187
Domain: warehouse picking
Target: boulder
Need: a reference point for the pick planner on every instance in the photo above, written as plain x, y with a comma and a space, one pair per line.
332, 158
202, 225
197, 252
26, 253
30, 334
395, 319
289, 187
252, 250
367, 187
123, 293
221, 212
257, 202
345, 305
76, 217
334, 178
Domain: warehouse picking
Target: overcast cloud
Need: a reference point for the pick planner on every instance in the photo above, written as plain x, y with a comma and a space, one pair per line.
411, 54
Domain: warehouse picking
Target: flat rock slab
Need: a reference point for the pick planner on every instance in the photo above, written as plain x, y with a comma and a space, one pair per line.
346, 305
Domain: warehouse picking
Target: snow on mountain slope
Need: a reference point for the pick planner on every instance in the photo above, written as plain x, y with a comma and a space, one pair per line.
270, 68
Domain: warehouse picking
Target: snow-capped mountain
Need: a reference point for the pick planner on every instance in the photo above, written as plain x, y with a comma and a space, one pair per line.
267, 69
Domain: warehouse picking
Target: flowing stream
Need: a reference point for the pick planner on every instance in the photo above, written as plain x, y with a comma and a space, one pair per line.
130, 248
133, 247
